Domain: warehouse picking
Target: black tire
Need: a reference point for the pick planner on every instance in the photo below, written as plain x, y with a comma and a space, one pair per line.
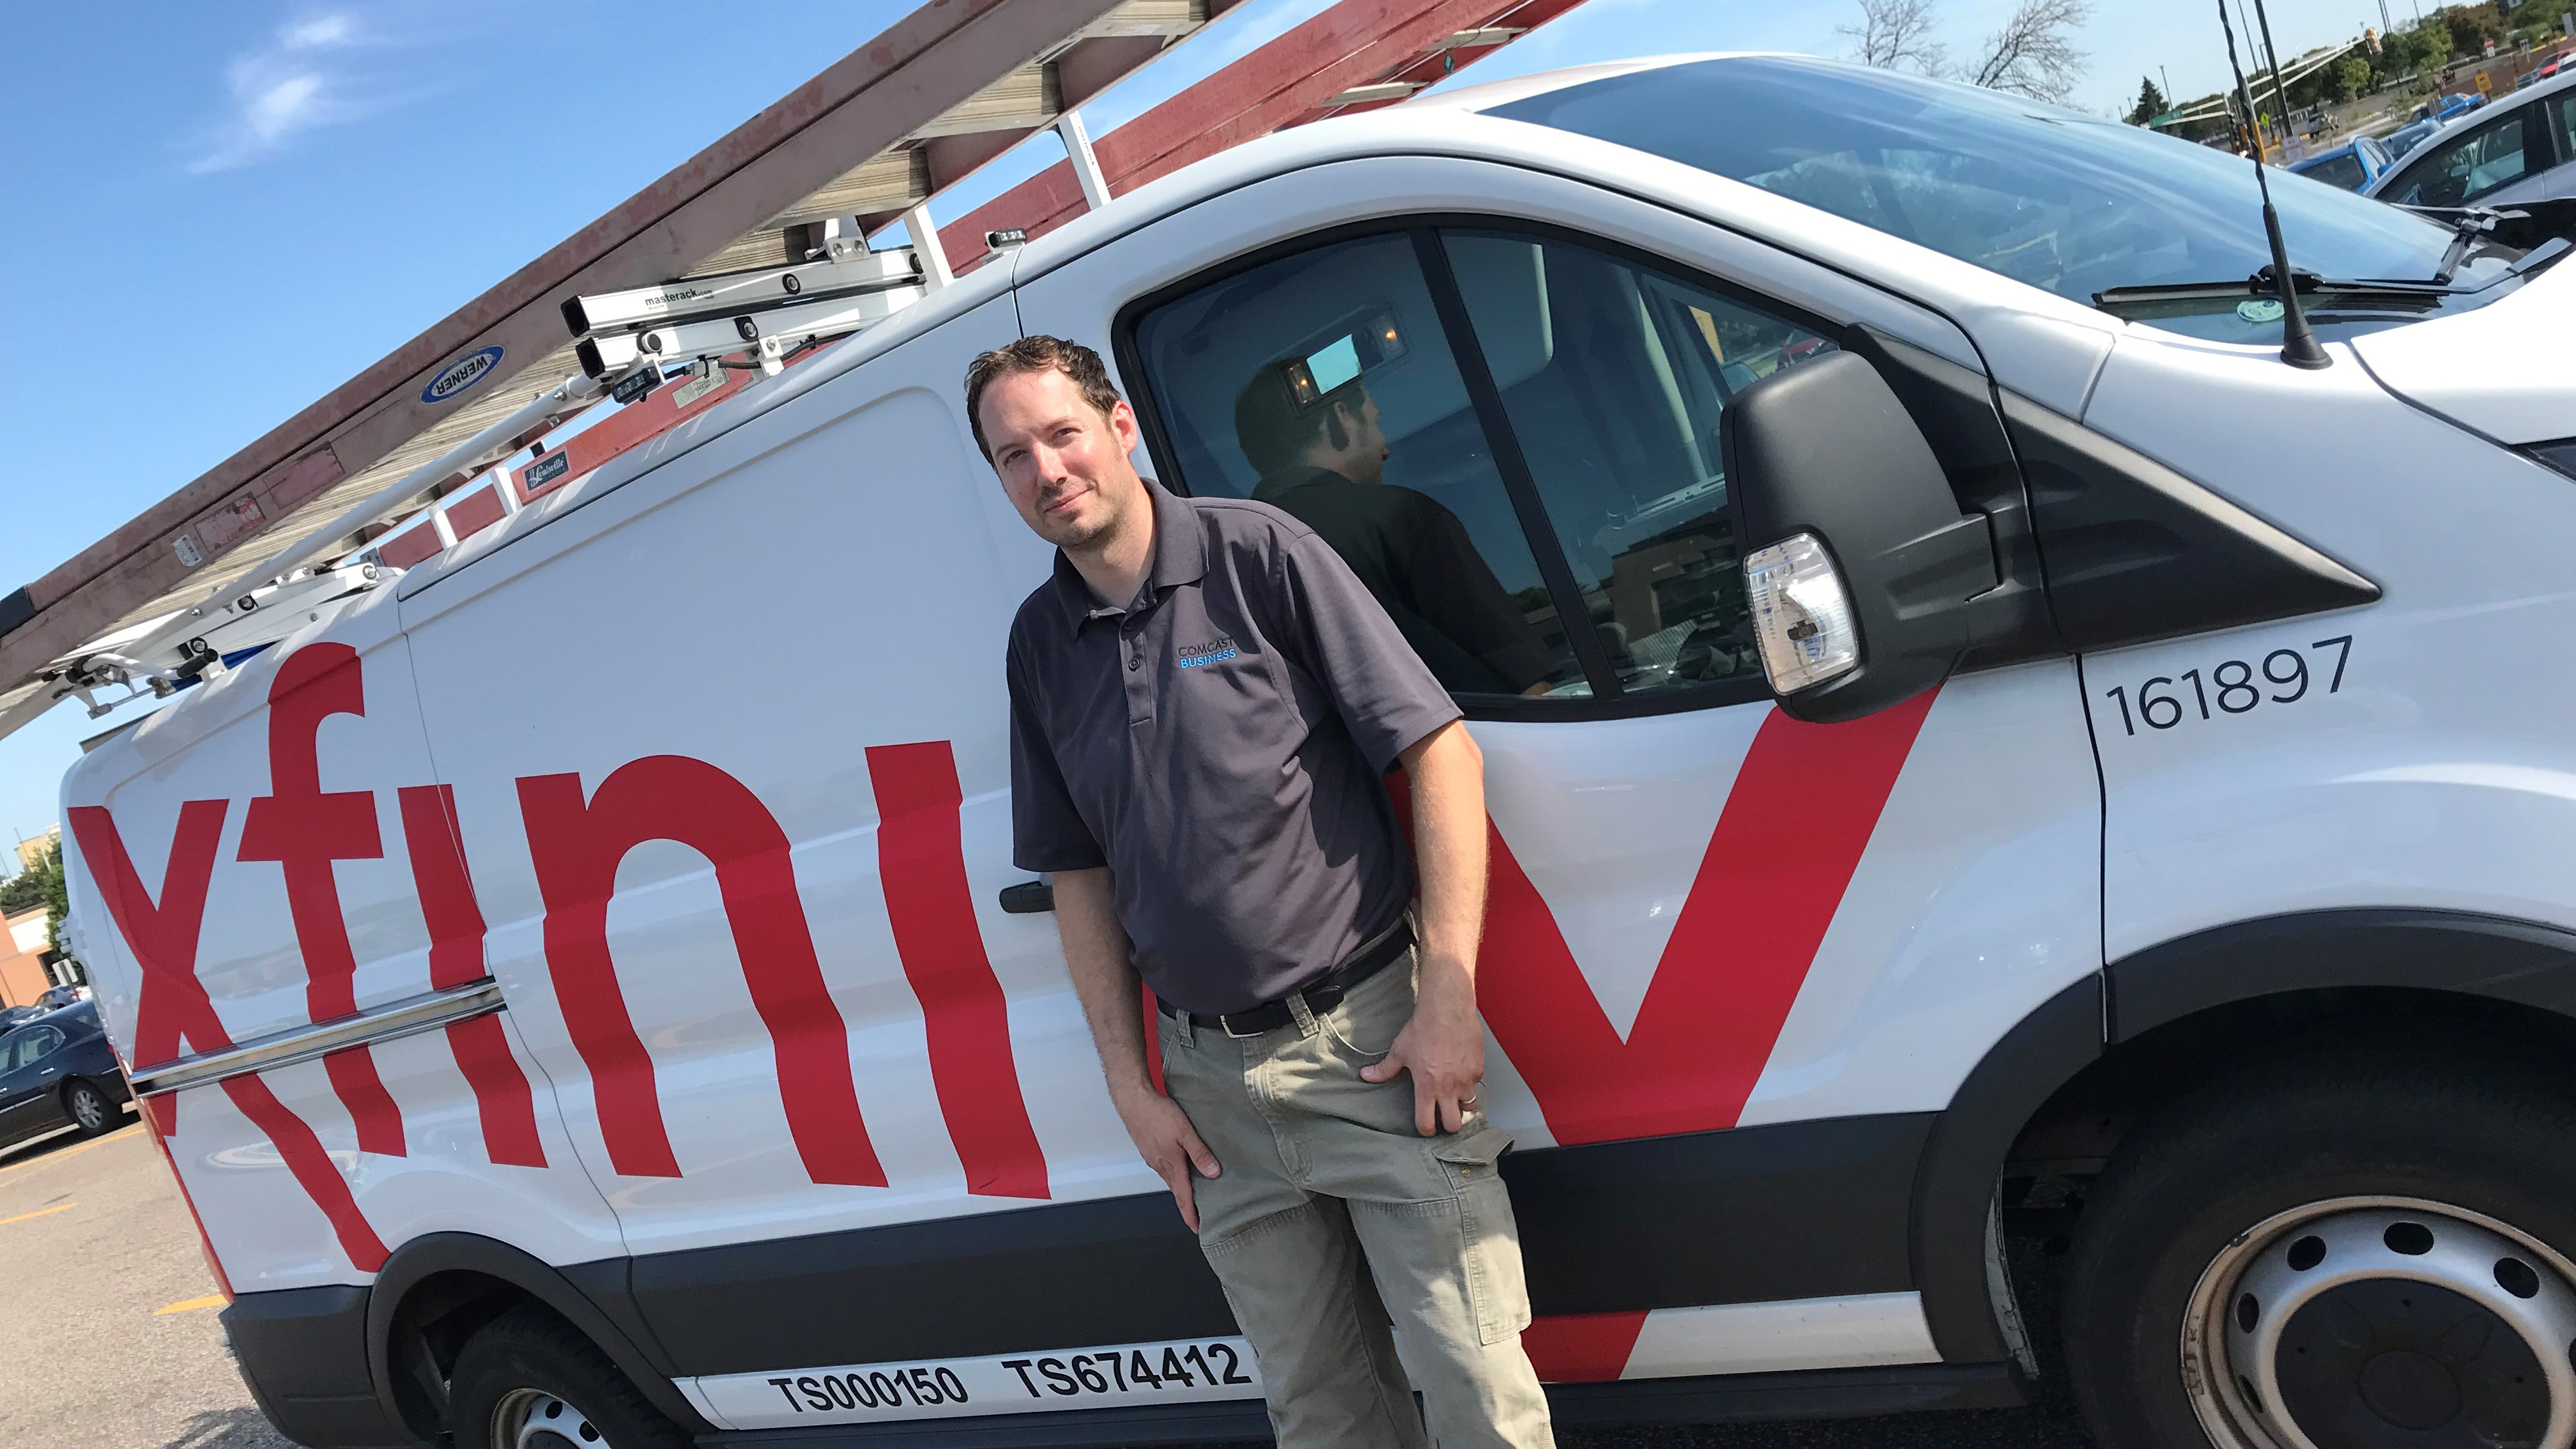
90, 1107
2488, 1134
528, 1351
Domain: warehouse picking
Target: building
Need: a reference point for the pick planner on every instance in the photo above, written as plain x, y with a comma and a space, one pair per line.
33, 849
25, 973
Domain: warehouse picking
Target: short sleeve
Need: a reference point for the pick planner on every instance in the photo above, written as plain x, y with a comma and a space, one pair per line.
1047, 832
1386, 696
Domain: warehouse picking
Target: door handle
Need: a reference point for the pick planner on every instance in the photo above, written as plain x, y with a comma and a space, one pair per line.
1028, 898
49, 1071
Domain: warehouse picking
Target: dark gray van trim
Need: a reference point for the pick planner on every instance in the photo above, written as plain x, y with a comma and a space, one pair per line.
1965, 1157
2455, 951
1652, 1223
2135, 551
592, 1297
304, 1352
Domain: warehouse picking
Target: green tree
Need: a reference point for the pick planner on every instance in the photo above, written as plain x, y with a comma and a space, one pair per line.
2471, 27
2151, 102
58, 901
20, 892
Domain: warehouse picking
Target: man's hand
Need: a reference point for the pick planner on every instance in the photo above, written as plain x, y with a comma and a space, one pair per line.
1169, 1145
1443, 1046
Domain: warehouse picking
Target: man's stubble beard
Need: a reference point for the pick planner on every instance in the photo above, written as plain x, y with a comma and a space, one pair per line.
1077, 538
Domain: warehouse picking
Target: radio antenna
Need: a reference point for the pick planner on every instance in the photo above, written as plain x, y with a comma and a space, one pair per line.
2298, 345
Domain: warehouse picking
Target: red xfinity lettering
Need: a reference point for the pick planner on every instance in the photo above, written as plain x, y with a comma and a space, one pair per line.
437, 850
304, 831
172, 1004
1786, 844
577, 846
921, 860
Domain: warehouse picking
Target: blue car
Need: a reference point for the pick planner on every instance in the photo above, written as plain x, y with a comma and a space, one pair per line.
56, 1071
2406, 137
2352, 165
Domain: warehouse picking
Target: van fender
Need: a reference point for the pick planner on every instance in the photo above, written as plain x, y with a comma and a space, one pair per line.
2464, 952
1954, 1189
592, 1297
2525, 963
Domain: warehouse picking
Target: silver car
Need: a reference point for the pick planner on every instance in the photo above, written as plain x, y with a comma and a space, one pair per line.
2522, 147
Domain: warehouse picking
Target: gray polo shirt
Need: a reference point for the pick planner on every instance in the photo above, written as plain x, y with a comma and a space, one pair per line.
1219, 743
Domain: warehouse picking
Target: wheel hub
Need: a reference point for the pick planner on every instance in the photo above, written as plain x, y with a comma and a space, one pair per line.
88, 1108
2387, 1326
535, 1419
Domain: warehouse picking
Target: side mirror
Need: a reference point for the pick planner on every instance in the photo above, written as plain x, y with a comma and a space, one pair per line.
1858, 561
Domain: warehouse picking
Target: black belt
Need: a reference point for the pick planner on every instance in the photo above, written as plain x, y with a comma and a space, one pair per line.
1320, 996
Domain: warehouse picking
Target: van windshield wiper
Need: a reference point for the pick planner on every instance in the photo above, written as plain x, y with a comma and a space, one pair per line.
2347, 291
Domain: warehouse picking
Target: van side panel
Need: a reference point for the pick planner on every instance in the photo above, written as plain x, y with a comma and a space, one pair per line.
741, 830
279, 795
2412, 753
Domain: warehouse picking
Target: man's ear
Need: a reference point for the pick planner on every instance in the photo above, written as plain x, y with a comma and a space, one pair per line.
1337, 426
1122, 421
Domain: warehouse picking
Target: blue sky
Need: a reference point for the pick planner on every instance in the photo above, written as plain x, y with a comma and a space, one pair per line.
217, 213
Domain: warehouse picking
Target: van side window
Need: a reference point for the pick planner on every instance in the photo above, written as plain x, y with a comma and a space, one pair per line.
1613, 376
1323, 383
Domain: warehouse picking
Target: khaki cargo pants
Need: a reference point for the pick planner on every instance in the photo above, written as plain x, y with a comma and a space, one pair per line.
1332, 1212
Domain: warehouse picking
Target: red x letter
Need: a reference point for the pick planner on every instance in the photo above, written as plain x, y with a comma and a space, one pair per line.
172, 1003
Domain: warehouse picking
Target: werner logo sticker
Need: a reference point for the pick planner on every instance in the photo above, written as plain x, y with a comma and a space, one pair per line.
461, 374
1194, 656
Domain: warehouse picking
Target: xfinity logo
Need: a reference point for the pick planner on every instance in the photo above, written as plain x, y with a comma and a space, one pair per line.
461, 374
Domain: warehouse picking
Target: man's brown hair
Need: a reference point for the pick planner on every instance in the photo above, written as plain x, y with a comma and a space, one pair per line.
1036, 354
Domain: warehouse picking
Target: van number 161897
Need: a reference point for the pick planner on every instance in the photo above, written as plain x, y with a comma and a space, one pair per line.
2235, 687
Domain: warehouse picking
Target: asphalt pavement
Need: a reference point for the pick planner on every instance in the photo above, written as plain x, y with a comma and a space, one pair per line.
109, 1314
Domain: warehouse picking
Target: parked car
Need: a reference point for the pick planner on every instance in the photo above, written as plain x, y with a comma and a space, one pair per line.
59, 996
2541, 72
2351, 166
2406, 137
58, 1070
2521, 148
2169, 852
2445, 107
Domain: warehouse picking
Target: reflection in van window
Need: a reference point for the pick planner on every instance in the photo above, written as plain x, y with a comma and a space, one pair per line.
1613, 377
1321, 384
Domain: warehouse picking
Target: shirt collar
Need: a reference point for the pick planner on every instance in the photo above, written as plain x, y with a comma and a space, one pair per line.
1180, 557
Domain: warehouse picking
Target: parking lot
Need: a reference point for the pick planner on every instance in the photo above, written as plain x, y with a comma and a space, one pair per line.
111, 1314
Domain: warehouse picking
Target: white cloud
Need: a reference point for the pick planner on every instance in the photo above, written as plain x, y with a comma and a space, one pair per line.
297, 83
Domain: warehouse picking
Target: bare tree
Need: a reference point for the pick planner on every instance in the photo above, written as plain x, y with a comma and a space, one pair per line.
2034, 54
1897, 35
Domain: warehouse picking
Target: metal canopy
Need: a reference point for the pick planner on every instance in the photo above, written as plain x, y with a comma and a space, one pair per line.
943, 90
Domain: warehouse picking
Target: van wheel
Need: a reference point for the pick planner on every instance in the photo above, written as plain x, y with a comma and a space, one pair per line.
2334, 1254
528, 1380
89, 1107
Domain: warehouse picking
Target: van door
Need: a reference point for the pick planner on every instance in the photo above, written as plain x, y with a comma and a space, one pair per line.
1734, 965
274, 854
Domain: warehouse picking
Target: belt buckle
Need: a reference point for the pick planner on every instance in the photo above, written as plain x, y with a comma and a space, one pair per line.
1225, 1024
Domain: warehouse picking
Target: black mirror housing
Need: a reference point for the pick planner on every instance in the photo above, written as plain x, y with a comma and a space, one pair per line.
1825, 448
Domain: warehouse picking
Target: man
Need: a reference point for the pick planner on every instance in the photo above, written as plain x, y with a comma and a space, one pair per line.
1325, 461
1203, 702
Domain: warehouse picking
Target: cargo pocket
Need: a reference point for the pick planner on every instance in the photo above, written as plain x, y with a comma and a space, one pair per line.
1490, 1235
1470, 1158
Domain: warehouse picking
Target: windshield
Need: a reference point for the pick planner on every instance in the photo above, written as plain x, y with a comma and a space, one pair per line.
2060, 200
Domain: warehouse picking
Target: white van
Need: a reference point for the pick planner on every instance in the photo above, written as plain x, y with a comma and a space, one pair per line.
586, 998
